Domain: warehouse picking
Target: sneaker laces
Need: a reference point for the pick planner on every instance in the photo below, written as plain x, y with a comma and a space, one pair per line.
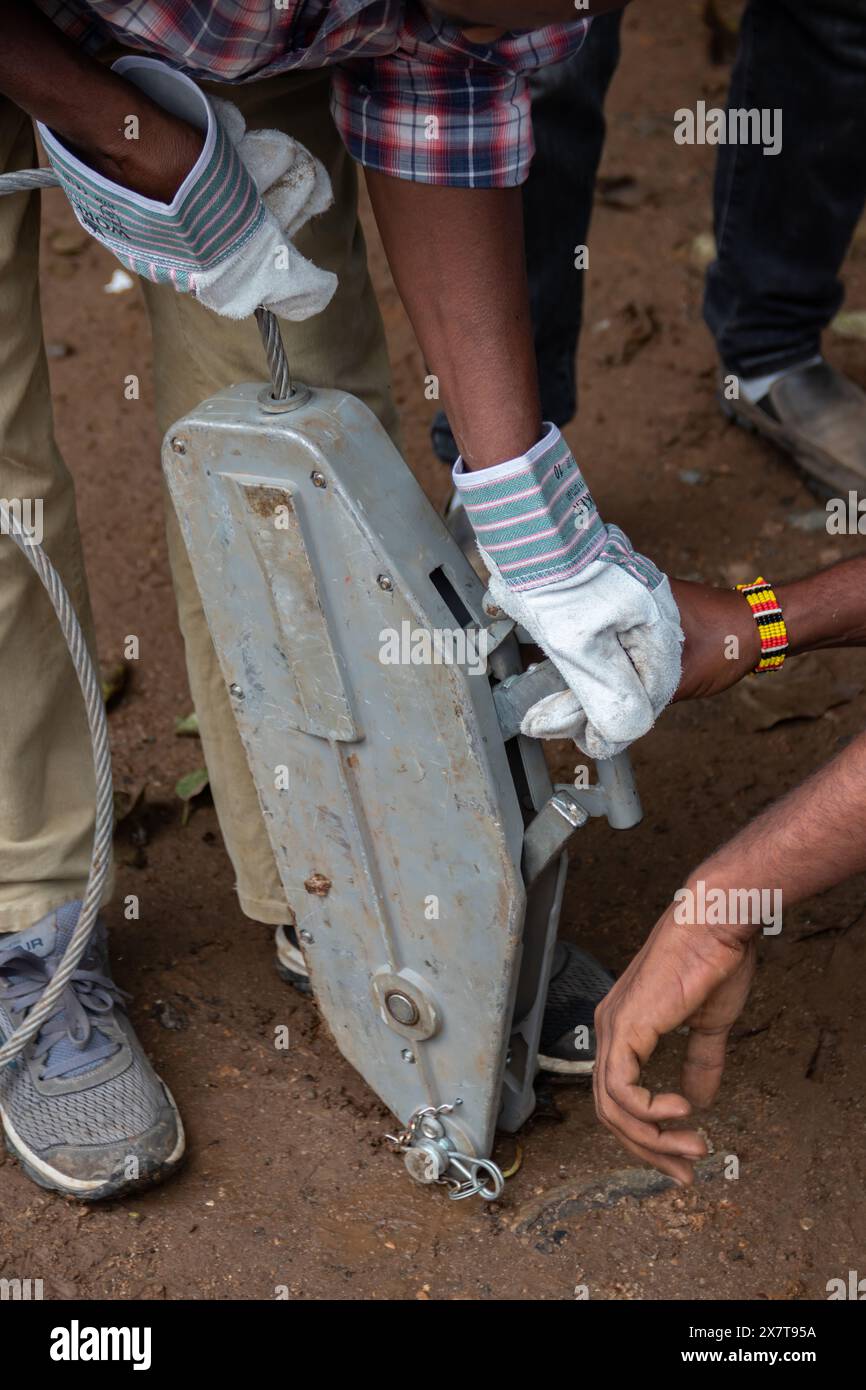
70, 1029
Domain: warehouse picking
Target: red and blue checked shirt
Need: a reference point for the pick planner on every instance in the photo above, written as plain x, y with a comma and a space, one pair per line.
411, 96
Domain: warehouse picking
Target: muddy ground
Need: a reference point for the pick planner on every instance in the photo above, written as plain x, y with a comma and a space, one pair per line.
289, 1182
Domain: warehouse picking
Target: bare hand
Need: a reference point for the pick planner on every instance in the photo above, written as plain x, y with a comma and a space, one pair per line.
694, 975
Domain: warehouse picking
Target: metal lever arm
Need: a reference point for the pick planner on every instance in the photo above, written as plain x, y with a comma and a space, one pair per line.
615, 795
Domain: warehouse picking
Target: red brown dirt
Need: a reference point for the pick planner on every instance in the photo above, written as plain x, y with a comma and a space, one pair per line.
289, 1182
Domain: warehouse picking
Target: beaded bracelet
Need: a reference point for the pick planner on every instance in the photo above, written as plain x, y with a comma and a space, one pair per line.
771, 625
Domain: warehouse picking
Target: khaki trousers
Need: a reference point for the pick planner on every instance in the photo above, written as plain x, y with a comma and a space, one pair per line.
46, 779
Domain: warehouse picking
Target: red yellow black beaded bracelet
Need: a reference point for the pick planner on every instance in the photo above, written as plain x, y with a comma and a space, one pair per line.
771, 625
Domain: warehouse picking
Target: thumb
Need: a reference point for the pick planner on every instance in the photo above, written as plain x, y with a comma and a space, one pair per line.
309, 293
556, 716
563, 716
268, 155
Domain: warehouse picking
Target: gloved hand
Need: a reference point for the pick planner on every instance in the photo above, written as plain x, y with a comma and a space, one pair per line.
615, 641
604, 614
225, 235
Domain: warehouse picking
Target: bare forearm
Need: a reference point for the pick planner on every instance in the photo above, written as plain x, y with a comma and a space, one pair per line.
816, 836
827, 609
457, 258
53, 80
89, 106
812, 839
823, 610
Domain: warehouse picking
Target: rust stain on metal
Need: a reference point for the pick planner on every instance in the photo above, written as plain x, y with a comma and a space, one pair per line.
263, 501
318, 884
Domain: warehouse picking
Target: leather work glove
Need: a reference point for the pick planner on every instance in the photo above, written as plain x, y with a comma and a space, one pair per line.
604, 614
225, 236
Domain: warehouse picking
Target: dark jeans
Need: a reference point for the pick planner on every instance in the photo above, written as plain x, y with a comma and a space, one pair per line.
568, 125
783, 222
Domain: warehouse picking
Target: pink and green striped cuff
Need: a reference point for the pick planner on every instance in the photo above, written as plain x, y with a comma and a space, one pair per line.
534, 516
214, 212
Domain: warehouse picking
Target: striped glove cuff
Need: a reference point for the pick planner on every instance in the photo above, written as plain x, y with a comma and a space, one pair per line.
534, 516
214, 212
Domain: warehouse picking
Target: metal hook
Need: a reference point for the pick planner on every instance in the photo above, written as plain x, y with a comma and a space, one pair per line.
476, 1173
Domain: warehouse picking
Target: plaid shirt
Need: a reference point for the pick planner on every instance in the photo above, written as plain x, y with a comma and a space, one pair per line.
411, 96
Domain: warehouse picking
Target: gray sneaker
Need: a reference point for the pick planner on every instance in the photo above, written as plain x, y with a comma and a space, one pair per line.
82, 1108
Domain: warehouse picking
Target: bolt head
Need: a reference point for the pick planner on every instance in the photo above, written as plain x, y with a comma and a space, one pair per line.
318, 479
306, 936
401, 1008
235, 691
178, 445
385, 582
407, 1054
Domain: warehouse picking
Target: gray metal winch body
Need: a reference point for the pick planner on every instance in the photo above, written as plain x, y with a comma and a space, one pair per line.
417, 836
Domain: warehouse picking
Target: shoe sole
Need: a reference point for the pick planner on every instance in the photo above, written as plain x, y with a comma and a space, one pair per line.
821, 471
291, 977
559, 1067
290, 964
95, 1190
